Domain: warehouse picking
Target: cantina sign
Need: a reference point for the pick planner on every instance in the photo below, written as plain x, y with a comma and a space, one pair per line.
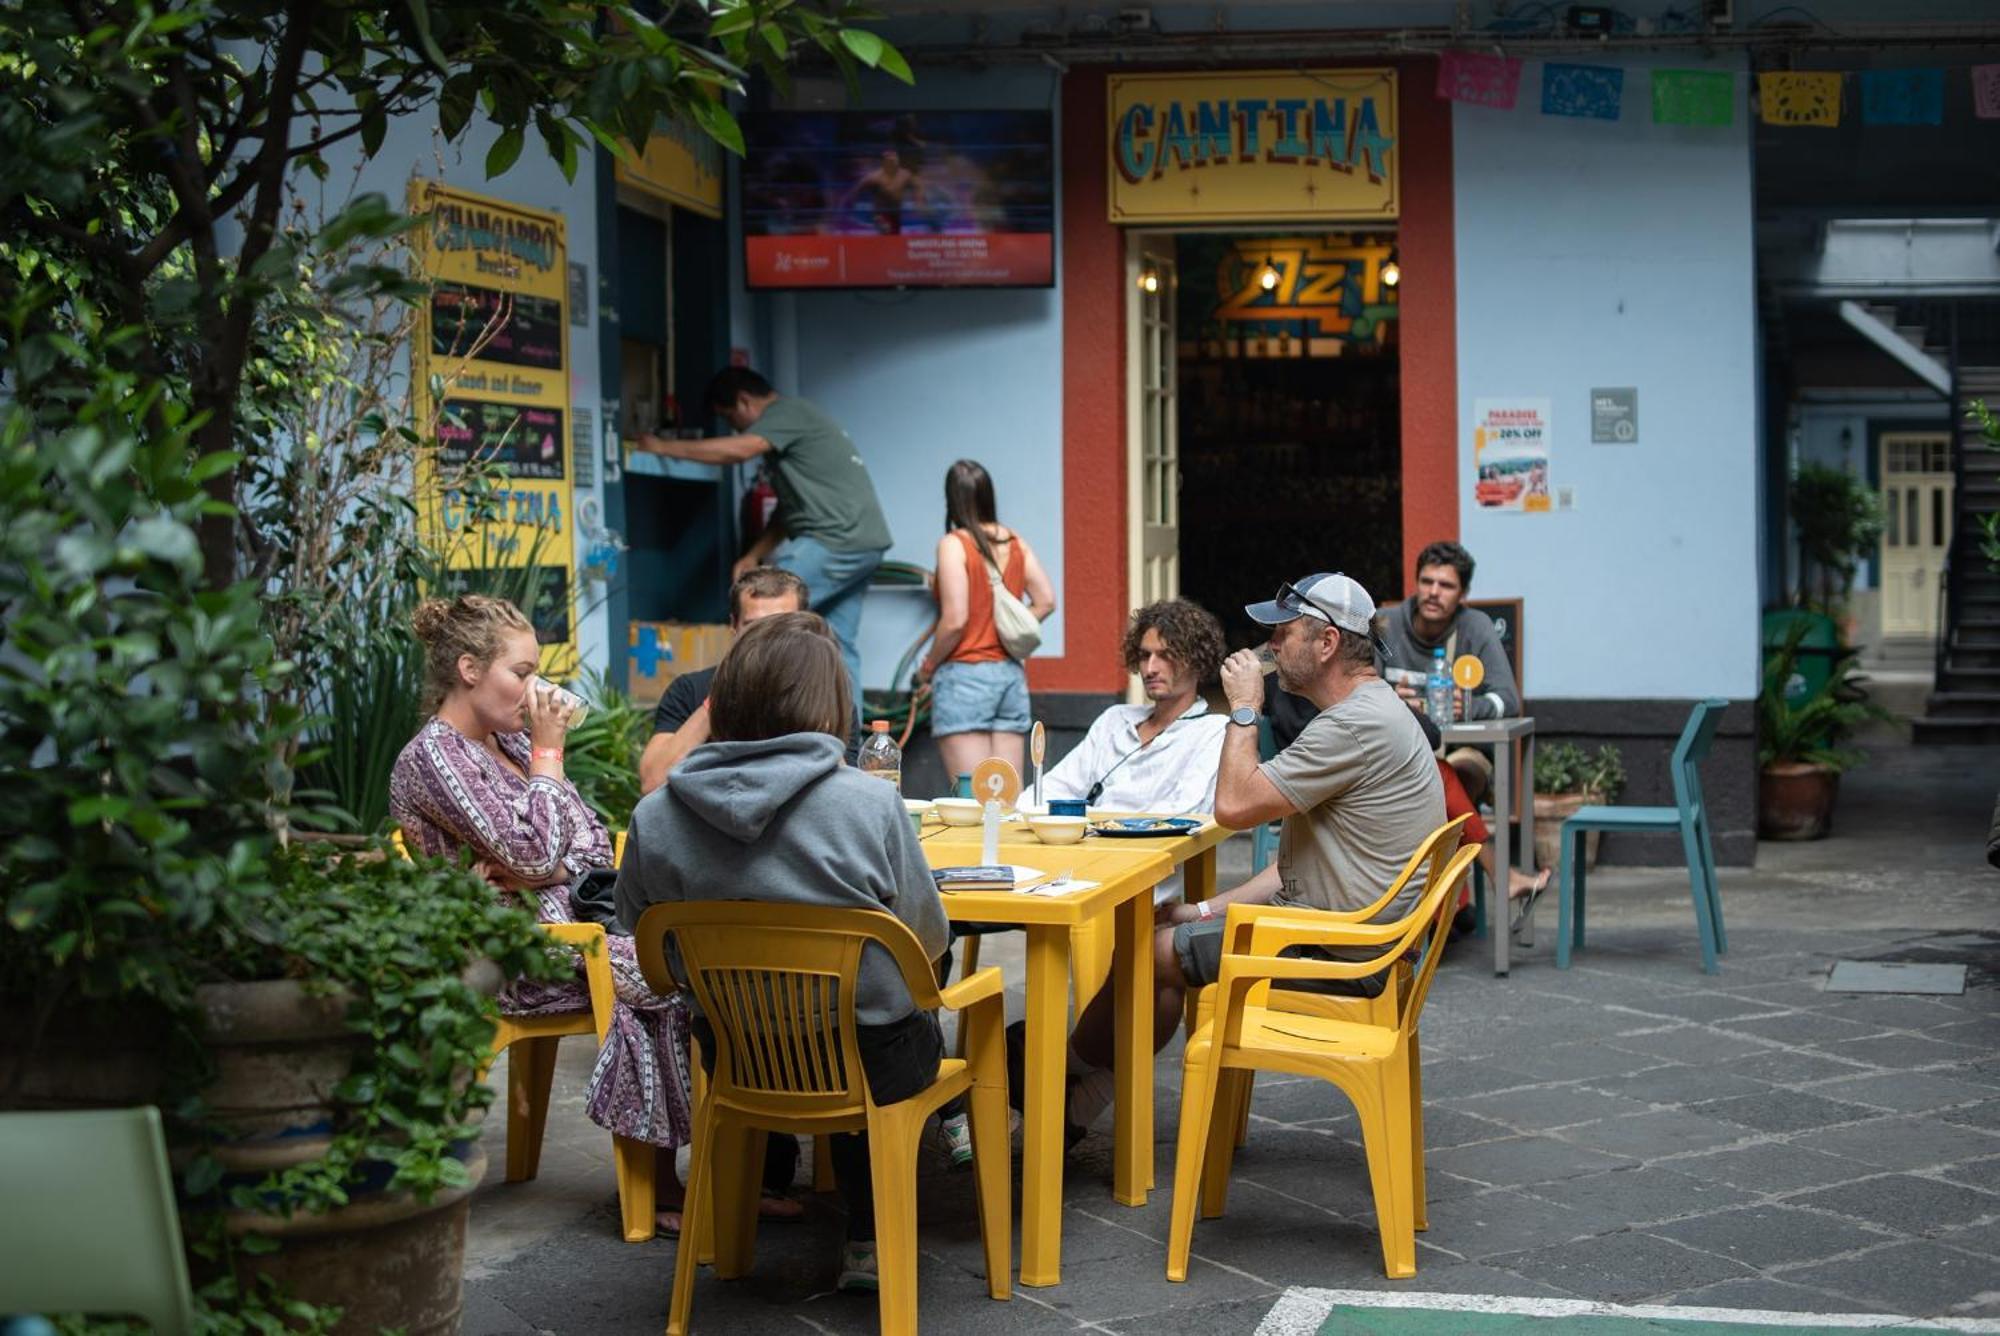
1253, 147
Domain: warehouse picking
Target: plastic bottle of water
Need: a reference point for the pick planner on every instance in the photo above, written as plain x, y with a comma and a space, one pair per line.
1438, 691
880, 756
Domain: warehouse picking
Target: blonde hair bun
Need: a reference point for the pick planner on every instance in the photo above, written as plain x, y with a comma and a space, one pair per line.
430, 618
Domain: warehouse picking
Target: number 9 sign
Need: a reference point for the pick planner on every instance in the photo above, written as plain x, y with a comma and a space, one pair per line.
995, 780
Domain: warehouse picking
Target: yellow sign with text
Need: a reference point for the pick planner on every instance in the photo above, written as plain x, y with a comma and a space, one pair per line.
491, 362
680, 165
1254, 147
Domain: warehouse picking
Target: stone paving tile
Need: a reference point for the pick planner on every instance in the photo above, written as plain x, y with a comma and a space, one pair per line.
1693, 1043
1895, 1012
1802, 1027
1907, 1092
1629, 1267
1783, 1111
1452, 1078
1506, 1221
1902, 1051
1904, 1202
1702, 1007
1977, 1115
1653, 1134
1768, 1236
1542, 1107
1978, 1173
1915, 1279
1679, 1084
1770, 1167
1523, 1160
1982, 1239
1230, 1316
1904, 1143
1792, 1067
1764, 1294
1586, 1061
1640, 1196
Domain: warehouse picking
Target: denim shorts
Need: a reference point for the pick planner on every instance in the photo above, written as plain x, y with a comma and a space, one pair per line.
987, 697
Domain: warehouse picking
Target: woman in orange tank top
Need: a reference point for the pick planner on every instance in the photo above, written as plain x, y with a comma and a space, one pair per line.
979, 696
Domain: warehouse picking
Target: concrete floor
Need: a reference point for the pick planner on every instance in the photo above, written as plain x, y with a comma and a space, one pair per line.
1628, 1131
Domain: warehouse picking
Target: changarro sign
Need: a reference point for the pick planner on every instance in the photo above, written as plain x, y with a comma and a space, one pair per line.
1254, 146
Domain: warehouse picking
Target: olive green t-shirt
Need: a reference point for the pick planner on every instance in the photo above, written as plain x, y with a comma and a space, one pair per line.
1366, 785
823, 487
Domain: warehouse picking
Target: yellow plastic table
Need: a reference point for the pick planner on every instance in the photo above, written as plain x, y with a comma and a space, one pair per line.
1192, 854
1125, 881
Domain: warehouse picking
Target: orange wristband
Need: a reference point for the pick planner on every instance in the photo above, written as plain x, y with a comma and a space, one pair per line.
548, 753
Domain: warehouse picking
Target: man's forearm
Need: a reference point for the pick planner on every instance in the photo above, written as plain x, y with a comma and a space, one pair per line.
706, 450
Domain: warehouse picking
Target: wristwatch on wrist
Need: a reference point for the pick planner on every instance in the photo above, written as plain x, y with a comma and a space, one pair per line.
1243, 715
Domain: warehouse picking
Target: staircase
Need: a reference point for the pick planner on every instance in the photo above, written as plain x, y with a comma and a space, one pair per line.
1965, 706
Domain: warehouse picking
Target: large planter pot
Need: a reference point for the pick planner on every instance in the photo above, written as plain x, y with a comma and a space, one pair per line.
1795, 800
387, 1259
1551, 810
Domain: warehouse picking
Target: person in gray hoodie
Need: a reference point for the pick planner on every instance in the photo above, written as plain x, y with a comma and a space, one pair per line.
768, 810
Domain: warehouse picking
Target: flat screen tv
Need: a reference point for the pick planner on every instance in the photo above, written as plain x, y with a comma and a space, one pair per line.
862, 199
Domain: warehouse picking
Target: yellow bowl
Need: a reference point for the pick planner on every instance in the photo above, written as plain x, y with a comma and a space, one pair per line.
1058, 829
958, 811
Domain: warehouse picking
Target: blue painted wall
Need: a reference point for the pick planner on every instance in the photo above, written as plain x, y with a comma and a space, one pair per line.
922, 378
1614, 253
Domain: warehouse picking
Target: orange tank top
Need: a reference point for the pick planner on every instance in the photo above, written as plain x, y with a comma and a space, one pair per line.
981, 641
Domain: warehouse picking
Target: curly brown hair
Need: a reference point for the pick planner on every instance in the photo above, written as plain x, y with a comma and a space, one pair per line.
1192, 634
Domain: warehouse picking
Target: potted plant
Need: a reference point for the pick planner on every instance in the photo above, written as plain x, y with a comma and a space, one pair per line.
1837, 520
1568, 777
1799, 744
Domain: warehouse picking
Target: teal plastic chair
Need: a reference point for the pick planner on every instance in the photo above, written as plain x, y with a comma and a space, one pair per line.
89, 1224
1689, 816
1264, 844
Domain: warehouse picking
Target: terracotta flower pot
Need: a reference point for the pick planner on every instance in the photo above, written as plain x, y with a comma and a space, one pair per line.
1795, 800
1551, 810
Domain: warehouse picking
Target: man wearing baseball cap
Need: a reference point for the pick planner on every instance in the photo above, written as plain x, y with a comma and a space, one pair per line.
1358, 791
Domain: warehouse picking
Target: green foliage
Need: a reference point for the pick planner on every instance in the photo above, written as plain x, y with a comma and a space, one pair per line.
1989, 523
601, 755
138, 750
1838, 520
1564, 767
1812, 728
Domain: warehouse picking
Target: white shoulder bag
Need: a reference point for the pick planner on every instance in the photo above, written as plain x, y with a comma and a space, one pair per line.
1020, 633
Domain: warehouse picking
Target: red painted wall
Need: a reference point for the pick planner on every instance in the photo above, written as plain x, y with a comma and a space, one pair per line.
1093, 322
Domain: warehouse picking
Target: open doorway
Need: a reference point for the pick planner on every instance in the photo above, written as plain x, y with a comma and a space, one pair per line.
1289, 414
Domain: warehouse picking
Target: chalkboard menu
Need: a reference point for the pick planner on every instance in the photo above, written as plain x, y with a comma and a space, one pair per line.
527, 439
527, 330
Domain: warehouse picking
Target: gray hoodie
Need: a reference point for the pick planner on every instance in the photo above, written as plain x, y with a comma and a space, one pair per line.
784, 821
1472, 632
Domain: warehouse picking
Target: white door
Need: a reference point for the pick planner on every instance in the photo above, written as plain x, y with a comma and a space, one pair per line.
1153, 464
1916, 533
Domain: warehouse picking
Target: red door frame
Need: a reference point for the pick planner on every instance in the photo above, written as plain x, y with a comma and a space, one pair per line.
1094, 338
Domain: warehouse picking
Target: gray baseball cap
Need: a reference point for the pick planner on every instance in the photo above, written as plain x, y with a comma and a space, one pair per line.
1333, 598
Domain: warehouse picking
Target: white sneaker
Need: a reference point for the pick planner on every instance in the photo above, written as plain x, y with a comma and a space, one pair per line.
857, 1269
956, 1134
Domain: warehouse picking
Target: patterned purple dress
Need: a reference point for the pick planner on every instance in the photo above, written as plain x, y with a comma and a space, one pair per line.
447, 793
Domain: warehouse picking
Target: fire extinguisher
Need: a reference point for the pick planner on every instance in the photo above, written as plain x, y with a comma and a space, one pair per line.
760, 502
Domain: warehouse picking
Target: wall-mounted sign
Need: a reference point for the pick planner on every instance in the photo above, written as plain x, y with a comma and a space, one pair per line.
681, 165
495, 335
1614, 417
1254, 146
1510, 454
1326, 294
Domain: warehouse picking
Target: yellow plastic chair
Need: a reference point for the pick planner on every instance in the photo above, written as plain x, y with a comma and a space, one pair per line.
777, 984
1375, 1064
89, 1224
531, 1044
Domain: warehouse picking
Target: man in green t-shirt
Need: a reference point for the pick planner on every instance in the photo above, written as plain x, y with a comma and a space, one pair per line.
828, 529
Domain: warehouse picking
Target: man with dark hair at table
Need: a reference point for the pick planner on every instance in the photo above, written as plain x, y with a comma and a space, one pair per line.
680, 720
1435, 618
828, 529
1358, 792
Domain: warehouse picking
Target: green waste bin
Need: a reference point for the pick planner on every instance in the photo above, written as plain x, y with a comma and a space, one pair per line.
1819, 647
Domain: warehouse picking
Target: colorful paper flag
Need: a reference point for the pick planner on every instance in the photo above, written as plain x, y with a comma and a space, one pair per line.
1788, 97
1694, 97
1589, 91
1902, 97
1482, 80
1986, 92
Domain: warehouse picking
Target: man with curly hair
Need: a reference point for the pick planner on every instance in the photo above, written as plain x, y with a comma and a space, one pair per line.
1160, 757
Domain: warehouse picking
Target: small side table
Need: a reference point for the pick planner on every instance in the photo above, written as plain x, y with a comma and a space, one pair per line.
1500, 735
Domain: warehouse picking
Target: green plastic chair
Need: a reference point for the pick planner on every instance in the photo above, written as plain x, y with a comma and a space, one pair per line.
89, 1224
1689, 815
